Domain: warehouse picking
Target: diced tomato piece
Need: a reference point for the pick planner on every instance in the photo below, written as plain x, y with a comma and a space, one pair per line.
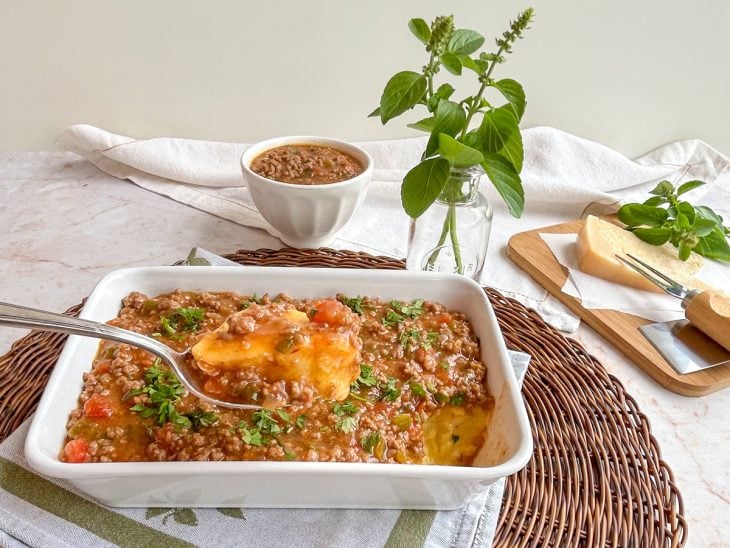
444, 318
102, 367
98, 407
331, 312
77, 451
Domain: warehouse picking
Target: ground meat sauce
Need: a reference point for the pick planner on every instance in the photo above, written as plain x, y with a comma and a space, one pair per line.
304, 164
420, 384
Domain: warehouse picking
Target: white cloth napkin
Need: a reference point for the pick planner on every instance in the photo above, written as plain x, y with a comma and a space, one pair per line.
563, 175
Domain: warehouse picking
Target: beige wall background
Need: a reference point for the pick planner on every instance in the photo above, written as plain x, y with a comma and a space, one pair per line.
631, 74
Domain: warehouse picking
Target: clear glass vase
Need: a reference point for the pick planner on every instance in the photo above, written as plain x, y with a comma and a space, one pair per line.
453, 234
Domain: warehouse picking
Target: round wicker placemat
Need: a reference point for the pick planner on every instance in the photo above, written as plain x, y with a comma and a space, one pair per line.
596, 477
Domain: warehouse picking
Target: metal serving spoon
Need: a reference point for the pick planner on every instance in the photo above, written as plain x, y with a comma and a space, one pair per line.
21, 316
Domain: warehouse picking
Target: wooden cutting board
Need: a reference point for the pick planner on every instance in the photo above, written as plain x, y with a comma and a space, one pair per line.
530, 252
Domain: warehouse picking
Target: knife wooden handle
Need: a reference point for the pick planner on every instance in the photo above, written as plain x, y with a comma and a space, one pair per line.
710, 313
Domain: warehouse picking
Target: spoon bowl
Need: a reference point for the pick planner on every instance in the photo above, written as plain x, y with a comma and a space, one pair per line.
21, 316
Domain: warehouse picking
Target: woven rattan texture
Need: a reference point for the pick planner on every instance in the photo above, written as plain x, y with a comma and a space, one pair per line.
596, 477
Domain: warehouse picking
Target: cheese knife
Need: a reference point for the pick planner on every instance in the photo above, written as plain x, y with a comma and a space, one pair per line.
701, 341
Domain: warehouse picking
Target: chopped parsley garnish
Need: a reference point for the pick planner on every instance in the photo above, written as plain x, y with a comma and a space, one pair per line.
246, 303
288, 455
301, 421
200, 418
251, 436
370, 442
412, 310
387, 390
347, 408
265, 421
441, 397
346, 425
432, 338
391, 319
390, 391
180, 320
346, 422
353, 303
164, 391
457, 399
265, 427
366, 378
417, 389
409, 339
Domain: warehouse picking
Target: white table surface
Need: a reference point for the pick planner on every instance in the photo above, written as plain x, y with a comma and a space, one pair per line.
64, 224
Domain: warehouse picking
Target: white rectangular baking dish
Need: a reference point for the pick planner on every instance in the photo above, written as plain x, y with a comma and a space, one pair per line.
285, 484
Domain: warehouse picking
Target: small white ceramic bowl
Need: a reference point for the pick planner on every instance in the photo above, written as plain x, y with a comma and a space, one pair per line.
307, 215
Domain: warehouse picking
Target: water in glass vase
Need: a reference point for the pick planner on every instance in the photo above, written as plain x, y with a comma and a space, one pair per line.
453, 234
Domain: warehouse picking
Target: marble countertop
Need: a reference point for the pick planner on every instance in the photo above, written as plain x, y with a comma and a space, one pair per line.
65, 224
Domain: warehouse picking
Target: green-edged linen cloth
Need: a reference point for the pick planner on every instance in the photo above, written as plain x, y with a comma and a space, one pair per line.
39, 511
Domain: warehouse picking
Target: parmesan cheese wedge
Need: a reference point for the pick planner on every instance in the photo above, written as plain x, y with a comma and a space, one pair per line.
599, 242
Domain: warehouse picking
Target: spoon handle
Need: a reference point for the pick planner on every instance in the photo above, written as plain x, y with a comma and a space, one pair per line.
21, 316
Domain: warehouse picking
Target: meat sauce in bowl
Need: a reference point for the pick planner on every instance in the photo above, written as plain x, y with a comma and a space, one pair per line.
415, 388
306, 164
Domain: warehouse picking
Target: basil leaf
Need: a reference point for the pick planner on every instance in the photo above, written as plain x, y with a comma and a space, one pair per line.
402, 92
683, 221
473, 139
423, 125
469, 63
458, 154
686, 209
445, 91
501, 134
514, 93
451, 63
707, 213
423, 184
654, 201
703, 227
653, 236
449, 119
689, 185
465, 42
640, 214
664, 188
507, 182
714, 246
374, 113
420, 30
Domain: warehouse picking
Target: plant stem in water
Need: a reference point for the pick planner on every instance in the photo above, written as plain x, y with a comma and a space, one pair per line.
442, 239
455, 239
